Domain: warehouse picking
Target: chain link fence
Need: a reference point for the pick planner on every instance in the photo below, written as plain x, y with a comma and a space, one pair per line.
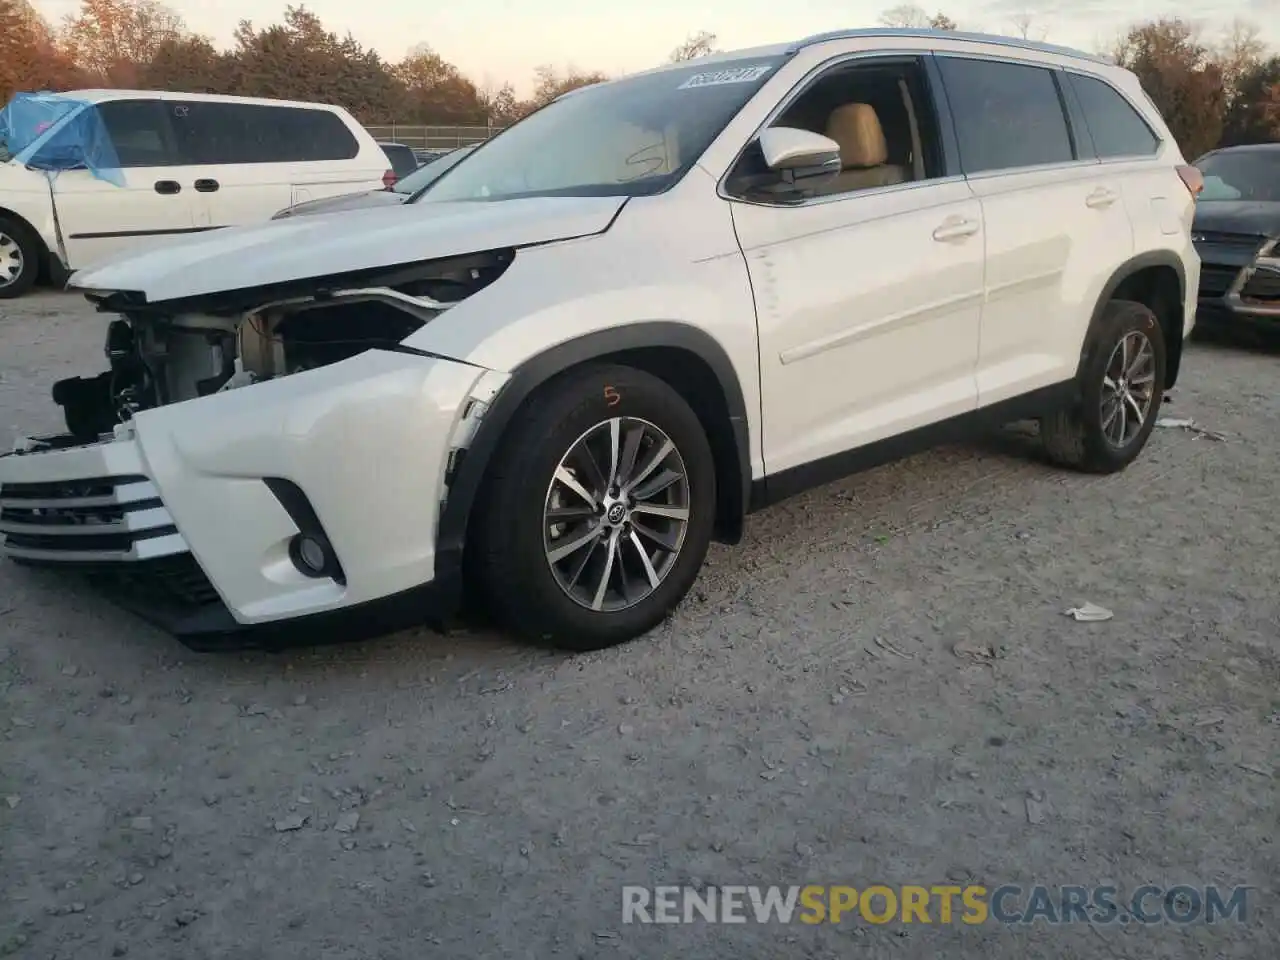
430, 138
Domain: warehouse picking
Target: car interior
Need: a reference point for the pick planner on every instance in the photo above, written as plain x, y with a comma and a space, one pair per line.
880, 117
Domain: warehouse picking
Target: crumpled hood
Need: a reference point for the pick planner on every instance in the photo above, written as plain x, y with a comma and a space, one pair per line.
1238, 216
348, 201
299, 248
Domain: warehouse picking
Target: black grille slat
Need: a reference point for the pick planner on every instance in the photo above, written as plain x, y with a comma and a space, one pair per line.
1219, 239
82, 520
1216, 280
1263, 286
171, 581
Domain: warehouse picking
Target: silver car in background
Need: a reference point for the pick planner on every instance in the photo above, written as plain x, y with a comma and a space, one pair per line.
399, 192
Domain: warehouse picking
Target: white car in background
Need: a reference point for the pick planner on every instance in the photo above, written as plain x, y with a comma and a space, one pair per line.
620, 326
188, 163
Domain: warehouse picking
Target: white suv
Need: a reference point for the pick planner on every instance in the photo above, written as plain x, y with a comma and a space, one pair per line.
595, 345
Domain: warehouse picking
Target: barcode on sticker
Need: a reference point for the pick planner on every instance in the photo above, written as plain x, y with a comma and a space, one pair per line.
716, 77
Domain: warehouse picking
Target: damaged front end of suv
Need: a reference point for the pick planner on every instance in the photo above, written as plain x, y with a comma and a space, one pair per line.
185, 349
179, 481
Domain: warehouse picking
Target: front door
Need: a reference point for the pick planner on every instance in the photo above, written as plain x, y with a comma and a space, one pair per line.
99, 219
868, 296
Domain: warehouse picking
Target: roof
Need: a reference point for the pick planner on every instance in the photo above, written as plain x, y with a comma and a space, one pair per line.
930, 34
870, 33
99, 96
1248, 148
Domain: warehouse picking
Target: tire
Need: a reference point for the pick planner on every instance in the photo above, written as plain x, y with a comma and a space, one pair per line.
1092, 440
19, 258
510, 557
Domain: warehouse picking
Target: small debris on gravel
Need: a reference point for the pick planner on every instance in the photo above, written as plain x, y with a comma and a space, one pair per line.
1089, 613
295, 821
347, 822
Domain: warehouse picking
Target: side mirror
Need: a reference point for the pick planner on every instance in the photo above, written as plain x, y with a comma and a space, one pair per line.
798, 161
786, 148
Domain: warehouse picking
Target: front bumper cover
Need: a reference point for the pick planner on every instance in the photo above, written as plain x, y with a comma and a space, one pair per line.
175, 519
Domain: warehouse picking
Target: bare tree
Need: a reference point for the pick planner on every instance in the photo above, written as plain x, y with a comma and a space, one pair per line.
915, 18
700, 44
1239, 52
1026, 27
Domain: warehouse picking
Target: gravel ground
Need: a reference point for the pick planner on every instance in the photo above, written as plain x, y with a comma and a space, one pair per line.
879, 686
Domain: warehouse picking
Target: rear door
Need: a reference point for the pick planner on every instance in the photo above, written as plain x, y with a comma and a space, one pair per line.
99, 219
1128, 151
1055, 222
237, 159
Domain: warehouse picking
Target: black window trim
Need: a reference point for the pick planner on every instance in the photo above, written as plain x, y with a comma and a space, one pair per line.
1050, 68
944, 128
1161, 143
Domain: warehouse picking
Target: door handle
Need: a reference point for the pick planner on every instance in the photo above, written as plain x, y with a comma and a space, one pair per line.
955, 228
1100, 198
207, 186
168, 186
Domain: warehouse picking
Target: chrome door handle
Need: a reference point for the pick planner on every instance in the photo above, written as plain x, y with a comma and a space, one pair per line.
955, 228
1100, 198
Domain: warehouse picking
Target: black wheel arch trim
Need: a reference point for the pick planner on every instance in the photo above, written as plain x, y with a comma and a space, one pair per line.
1143, 261
468, 474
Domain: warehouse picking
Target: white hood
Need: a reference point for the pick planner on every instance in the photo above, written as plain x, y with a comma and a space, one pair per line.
298, 248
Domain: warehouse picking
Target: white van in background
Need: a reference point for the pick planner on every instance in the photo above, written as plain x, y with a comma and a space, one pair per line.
188, 162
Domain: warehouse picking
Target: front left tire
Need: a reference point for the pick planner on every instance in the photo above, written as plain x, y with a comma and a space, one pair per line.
19, 258
598, 512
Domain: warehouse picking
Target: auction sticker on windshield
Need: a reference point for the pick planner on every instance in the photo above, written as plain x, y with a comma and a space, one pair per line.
717, 77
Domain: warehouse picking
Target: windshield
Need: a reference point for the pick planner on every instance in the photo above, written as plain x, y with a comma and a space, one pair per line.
1241, 175
631, 137
430, 171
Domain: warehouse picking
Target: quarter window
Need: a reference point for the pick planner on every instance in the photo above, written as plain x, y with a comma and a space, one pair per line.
1118, 130
1007, 115
213, 132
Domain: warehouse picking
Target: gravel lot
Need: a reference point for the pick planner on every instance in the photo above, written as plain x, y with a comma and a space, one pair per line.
867, 691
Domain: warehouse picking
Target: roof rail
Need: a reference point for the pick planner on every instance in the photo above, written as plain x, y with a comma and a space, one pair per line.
930, 34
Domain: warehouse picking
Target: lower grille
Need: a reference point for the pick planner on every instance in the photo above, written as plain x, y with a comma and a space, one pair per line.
1216, 280
167, 582
1263, 285
110, 519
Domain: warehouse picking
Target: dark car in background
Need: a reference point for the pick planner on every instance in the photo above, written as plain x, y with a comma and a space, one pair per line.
402, 159
399, 192
1237, 233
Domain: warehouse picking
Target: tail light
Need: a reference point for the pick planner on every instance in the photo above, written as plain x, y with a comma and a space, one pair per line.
1192, 178
389, 179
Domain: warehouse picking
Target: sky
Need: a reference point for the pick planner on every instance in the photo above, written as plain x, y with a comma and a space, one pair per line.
499, 41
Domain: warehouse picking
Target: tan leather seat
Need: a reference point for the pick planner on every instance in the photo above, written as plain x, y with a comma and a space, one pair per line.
863, 151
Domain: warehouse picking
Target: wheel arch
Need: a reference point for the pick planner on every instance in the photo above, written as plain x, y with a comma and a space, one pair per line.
1157, 280
685, 357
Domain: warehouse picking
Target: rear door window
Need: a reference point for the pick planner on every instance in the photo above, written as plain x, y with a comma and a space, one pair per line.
1118, 129
1007, 115
213, 132
139, 131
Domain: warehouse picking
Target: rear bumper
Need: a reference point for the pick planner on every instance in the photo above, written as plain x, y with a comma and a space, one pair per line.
175, 517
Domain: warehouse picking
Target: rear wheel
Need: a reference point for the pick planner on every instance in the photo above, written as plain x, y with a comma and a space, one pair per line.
1121, 387
599, 512
19, 258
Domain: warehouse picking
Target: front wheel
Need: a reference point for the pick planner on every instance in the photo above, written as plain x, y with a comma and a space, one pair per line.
19, 259
599, 511
1121, 387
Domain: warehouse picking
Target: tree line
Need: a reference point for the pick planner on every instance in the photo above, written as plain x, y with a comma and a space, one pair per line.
1211, 91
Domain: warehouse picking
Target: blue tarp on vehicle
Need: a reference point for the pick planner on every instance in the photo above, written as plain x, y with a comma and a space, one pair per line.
52, 132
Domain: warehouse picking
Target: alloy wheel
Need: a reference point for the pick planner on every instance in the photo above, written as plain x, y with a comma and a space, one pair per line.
616, 514
1128, 389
